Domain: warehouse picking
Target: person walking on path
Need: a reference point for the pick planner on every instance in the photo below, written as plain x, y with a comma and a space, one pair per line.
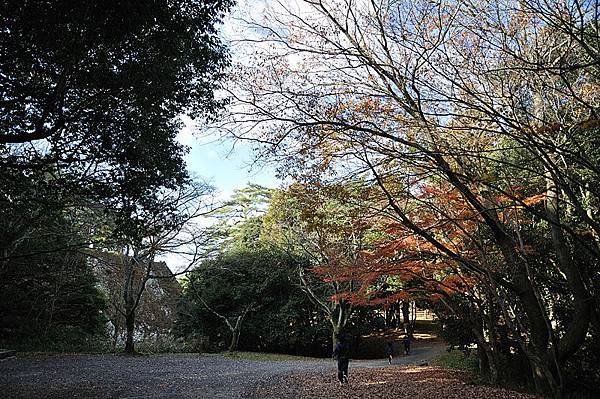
342, 354
406, 344
389, 351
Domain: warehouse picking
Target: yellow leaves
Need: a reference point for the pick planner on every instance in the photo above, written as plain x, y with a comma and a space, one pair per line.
366, 108
589, 90
487, 178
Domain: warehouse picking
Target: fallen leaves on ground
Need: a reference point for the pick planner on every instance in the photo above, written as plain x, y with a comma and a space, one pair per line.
383, 383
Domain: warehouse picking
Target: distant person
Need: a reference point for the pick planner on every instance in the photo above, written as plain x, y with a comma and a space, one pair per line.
342, 354
406, 342
389, 351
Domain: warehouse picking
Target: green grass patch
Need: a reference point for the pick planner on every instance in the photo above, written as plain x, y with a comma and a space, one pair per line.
458, 361
510, 379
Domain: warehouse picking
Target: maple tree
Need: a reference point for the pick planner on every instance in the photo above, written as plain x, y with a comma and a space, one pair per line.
325, 225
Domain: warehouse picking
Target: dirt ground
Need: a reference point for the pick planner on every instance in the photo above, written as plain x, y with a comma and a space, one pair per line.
415, 382
194, 376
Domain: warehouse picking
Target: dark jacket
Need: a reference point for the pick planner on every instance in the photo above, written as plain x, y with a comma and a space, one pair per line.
341, 351
389, 350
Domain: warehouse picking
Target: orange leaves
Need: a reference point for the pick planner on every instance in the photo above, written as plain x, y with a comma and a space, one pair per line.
455, 283
590, 123
431, 192
512, 206
405, 263
368, 107
391, 248
534, 199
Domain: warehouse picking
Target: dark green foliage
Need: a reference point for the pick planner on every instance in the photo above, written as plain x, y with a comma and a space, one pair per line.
583, 372
75, 71
456, 331
91, 92
291, 325
364, 321
282, 319
49, 299
48, 294
91, 95
50, 291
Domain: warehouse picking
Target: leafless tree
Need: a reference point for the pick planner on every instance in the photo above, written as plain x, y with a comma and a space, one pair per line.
178, 232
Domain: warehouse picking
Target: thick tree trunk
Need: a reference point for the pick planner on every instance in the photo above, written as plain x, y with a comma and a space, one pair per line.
488, 359
130, 326
544, 379
544, 371
487, 362
578, 328
128, 299
522, 280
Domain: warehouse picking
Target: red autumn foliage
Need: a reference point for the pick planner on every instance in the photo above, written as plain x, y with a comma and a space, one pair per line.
409, 259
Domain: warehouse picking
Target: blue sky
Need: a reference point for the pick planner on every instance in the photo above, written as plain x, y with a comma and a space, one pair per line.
224, 164
227, 165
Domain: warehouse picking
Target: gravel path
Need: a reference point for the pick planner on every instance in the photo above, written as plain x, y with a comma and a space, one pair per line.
420, 353
168, 376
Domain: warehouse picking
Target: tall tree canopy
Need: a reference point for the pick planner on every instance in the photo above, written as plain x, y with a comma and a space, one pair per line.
91, 96
91, 91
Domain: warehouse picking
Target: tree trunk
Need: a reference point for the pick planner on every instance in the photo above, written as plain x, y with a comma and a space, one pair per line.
334, 337
581, 316
129, 301
488, 355
235, 338
488, 362
115, 336
485, 367
397, 314
543, 378
130, 325
406, 317
338, 321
